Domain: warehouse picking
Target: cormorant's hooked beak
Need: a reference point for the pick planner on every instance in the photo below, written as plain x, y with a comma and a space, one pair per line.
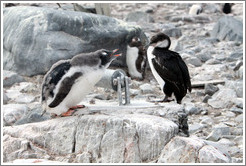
114, 51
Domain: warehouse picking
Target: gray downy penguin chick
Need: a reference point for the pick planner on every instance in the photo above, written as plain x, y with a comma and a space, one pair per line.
69, 81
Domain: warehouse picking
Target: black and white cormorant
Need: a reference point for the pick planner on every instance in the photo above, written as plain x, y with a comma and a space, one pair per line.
168, 68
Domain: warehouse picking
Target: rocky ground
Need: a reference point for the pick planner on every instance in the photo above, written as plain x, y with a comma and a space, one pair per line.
215, 111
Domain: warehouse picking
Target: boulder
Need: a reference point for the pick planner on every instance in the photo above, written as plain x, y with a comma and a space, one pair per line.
228, 28
114, 139
35, 40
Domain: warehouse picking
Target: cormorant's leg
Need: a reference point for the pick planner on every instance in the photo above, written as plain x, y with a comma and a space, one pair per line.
166, 99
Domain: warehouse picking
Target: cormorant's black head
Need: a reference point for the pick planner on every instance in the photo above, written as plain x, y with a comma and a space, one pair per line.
107, 57
160, 40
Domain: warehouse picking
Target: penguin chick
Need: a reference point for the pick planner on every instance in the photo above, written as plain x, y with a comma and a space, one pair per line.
136, 59
168, 68
69, 81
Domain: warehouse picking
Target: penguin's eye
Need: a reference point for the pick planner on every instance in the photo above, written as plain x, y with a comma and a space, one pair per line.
104, 53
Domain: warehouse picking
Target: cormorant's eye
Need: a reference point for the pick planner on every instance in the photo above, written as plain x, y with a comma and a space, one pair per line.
104, 53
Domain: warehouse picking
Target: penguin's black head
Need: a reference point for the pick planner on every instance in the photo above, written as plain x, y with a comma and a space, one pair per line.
135, 42
107, 57
160, 40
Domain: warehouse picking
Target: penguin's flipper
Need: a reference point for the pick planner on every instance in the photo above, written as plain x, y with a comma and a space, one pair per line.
64, 89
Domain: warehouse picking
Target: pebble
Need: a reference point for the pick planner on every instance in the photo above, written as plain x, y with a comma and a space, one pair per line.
195, 61
10, 78
13, 112
146, 88
239, 118
218, 131
236, 110
195, 127
210, 89
206, 120
5, 98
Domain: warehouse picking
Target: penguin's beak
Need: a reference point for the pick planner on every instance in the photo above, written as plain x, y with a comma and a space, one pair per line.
114, 51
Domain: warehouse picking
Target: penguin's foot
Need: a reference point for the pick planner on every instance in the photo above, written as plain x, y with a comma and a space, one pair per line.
77, 106
72, 110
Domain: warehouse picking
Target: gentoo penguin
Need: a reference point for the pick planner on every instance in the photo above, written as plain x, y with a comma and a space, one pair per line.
136, 59
195, 10
168, 68
69, 81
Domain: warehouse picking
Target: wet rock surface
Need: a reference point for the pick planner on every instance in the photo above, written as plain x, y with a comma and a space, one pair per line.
212, 115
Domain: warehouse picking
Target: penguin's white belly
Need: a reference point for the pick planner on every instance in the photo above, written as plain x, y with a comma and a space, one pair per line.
82, 86
160, 81
131, 57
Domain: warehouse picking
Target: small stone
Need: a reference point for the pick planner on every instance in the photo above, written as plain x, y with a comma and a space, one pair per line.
134, 92
194, 61
213, 62
218, 131
146, 88
10, 78
5, 98
204, 56
230, 114
226, 142
139, 16
24, 99
236, 110
206, 98
13, 112
195, 128
239, 140
192, 109
239, 118
217, 114
100, 97
237, 131
173, 32
210, 89
206, 120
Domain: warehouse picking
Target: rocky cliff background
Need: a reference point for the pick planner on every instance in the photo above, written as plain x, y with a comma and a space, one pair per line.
206, 127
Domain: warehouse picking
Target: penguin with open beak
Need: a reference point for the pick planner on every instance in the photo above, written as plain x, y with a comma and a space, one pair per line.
69, 81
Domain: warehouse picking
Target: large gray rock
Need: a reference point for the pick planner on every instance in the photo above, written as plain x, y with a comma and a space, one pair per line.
35, 38
228, 28
119, 138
